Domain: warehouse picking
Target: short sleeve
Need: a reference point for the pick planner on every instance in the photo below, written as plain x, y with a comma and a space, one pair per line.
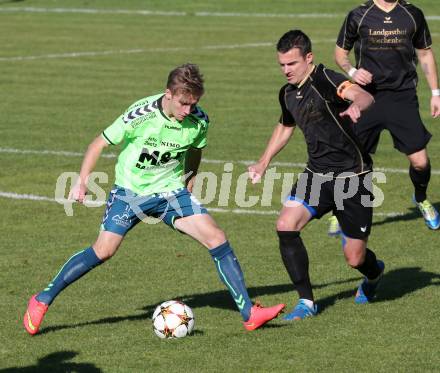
422, 37
286, 117
201, 140
348, 33
116, 132
332, 85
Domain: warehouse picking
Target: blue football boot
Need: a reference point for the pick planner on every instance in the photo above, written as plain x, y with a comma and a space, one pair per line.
301, 311
429, 212
367, 289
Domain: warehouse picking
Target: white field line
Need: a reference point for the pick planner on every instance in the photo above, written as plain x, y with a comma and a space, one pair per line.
134, 51
32, 197
205, 160
166, 13
146, 50
177, 13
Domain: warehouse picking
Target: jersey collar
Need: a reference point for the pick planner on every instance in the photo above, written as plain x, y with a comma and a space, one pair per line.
384, 9
159, 106
301, 83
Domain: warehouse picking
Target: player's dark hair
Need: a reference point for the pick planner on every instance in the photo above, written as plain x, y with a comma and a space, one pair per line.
294, 39
186, 79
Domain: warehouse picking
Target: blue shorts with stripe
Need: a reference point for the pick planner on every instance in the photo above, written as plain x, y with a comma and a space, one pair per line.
125, 208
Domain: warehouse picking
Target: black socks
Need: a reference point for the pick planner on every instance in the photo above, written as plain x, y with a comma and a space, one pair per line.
420, 180
369, 267
296, 261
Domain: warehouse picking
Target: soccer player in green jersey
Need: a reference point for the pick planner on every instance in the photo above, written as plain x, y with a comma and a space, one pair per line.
162, 138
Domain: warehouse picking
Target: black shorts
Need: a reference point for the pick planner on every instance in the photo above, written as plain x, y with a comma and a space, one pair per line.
398, 112
349, 198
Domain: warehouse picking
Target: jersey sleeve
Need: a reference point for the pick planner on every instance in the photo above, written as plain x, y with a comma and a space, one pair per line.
201, 141
348, 33
333, 85
286, 117
116, 132
422, 37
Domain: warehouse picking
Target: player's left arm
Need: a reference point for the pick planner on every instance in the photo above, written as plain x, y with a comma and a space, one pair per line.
192, 163
360, 99
427, 62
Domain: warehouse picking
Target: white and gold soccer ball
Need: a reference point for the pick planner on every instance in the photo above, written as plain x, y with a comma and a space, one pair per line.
173, 319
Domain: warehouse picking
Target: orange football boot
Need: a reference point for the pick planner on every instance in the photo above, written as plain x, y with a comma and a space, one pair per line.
261, 315
34, 315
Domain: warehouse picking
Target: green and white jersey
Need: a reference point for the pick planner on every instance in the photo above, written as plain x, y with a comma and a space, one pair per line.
154, 146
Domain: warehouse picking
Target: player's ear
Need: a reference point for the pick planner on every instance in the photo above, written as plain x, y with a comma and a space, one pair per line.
309, 57
168, 94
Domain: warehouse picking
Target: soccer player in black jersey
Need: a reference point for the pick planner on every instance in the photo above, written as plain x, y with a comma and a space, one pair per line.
324, 105
388, 38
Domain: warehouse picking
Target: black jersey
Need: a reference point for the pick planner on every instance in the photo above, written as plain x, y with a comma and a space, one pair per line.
315, 106
384, 42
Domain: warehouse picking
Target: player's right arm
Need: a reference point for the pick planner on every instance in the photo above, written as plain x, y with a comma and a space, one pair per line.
79, 190
360, 100
348, 35
360, 76
280, 137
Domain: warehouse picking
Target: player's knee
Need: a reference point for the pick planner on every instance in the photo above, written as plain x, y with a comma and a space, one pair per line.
354, 262
215, 239
354, 252
355, 259
419, 166
419, 163
286, 225
103, 251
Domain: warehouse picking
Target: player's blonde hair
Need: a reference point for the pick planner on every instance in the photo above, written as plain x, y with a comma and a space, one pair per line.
186, 79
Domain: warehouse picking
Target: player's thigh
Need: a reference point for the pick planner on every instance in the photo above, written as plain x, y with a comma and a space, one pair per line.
405, 124
123, 211
310, 197
203, 228
369, 127
176, 205
119, 217
355, 214
294, 216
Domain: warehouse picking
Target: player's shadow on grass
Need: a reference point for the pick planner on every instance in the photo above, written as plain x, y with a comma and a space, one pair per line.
56, 362
217, 299
395, 284
412, 214
402, 281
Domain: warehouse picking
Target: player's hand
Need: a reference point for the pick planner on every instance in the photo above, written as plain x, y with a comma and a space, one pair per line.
353, 112
362, 77
435, 106
256, 172
78, 192
190, 184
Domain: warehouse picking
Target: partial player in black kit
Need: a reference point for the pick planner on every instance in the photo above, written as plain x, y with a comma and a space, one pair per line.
325, 106
389, 38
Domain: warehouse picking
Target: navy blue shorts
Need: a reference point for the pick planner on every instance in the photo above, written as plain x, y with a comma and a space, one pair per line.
125, 208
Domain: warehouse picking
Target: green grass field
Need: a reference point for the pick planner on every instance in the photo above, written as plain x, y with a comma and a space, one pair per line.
65, 76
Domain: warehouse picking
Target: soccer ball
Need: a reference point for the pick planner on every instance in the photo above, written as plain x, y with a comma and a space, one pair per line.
173, 319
